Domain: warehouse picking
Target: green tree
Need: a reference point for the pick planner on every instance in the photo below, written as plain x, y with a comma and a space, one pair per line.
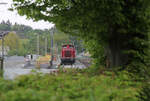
120, 26
12, 40
5, 26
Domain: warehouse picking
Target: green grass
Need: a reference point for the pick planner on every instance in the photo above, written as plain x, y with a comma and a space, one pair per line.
69, 86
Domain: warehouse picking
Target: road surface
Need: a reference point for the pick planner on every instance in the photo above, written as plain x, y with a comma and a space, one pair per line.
16, 65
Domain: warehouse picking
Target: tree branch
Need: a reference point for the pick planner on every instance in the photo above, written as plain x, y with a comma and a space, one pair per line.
73, 1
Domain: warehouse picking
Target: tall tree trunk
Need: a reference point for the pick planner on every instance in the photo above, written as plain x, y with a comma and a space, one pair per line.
114, 56
114, 52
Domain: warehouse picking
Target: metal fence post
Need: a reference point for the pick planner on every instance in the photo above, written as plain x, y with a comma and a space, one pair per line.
1, 71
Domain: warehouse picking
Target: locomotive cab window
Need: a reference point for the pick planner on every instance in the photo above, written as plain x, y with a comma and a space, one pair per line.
64, 46
71, 46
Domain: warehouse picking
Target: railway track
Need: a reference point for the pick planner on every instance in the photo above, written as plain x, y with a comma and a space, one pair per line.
76, 65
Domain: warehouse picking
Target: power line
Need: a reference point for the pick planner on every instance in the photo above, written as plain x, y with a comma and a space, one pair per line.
3, 3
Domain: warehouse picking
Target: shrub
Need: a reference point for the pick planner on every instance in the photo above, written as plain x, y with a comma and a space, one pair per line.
69, 86
144, 93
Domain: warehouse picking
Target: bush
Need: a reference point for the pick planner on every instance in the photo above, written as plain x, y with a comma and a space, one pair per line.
144, 93
69, 86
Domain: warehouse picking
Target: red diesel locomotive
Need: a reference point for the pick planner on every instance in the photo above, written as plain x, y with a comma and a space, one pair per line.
68, 54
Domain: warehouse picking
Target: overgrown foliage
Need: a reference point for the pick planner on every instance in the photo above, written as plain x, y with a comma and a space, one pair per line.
144, 94
120, 26
116, 30
72, 85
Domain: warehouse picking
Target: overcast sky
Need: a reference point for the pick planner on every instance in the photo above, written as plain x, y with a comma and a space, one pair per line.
14, 17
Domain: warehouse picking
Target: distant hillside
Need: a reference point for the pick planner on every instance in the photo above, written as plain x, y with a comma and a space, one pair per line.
30, 46
22, 30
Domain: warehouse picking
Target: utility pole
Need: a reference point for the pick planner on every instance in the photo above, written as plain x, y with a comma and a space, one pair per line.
45, 45
2, 34
38, 44
3, 47
52, 35
2, 57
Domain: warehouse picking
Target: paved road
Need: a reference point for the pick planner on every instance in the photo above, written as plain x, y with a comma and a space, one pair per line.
14, 62
16, 65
